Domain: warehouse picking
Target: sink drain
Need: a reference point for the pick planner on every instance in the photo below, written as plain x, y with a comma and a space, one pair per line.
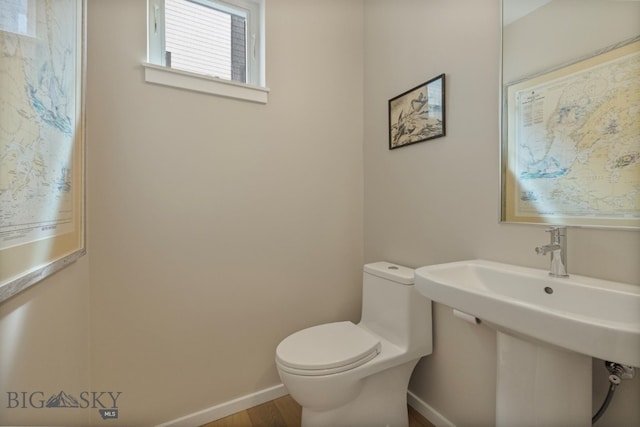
548, 290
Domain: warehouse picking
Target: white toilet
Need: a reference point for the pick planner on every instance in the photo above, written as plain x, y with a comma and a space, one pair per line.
343, 374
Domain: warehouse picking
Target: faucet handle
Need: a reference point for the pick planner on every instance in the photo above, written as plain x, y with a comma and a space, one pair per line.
558, 249
556, 233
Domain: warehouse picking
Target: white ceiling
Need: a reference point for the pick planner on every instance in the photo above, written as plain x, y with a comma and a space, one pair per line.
515, 9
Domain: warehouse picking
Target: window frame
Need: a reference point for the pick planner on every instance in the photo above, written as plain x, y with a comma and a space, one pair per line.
157, 72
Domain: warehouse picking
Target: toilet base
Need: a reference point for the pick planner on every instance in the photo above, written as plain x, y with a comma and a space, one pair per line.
382, 402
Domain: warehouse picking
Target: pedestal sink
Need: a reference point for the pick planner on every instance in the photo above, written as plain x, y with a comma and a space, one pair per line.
548, 330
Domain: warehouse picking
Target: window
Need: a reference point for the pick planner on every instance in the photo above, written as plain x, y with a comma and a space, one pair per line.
211, 39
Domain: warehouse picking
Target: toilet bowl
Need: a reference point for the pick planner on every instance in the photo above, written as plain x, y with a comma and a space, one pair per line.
356, 375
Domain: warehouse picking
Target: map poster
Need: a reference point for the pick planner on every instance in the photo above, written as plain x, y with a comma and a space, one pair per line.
41, 139
571, 154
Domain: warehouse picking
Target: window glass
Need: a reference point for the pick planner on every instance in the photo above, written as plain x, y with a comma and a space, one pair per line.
205, 40
209, 37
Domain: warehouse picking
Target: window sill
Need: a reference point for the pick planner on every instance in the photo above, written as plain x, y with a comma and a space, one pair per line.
205, 84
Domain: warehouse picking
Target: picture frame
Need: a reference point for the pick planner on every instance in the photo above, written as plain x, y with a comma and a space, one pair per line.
418, 114
570, 144
42, 197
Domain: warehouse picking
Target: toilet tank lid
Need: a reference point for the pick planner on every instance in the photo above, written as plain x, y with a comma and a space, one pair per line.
389, 271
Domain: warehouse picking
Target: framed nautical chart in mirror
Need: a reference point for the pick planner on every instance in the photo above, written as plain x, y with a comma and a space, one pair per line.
42, 214
571, 142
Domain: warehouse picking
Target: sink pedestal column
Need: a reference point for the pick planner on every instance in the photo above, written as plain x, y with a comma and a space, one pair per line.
540, 385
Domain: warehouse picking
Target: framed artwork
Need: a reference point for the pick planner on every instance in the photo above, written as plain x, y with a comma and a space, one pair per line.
42, 195
418, 114
571, 143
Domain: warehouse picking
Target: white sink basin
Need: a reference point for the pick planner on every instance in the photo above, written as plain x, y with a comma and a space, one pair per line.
597, 318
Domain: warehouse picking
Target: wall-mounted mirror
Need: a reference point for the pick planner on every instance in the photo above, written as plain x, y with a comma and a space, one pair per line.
571, 112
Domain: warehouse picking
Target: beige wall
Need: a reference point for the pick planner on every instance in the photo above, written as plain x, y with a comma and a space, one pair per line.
218, 227
438, 201
545, 38
44, 348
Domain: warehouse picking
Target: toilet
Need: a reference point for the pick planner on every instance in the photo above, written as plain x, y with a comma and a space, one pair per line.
356, 375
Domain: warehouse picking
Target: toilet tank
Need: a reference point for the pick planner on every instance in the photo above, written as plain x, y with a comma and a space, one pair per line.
394, 309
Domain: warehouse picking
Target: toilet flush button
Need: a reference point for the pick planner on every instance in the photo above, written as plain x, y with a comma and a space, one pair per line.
389, 271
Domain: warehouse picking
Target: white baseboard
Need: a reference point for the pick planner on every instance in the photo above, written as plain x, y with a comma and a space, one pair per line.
434, 417
228, 408
249, 401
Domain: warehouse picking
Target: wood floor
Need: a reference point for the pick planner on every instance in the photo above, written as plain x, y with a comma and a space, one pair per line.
285, 412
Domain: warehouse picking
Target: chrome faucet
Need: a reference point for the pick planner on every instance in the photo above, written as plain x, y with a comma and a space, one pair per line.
558, 249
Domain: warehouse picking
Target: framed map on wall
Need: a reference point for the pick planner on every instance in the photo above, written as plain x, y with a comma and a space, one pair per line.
571, 143
42, 224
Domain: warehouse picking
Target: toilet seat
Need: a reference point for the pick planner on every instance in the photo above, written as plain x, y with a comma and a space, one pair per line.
327, 349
